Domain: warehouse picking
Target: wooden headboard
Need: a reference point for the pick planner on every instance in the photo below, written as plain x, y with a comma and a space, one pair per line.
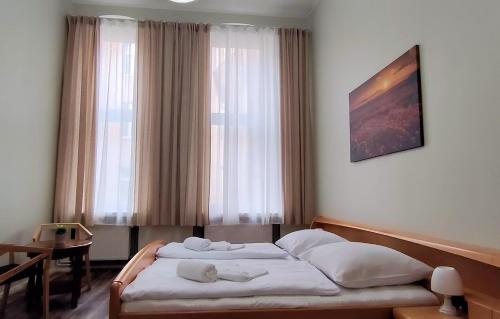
478, 266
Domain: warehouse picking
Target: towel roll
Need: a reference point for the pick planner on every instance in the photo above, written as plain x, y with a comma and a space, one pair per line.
198, 244
197, 270
239, 273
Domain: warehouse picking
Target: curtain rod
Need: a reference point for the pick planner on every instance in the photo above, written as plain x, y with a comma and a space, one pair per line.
115, 17
119, 17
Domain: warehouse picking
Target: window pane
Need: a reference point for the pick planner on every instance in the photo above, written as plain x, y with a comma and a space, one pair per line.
245, 176
116, 107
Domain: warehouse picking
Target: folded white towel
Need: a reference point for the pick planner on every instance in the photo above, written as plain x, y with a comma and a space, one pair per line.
197, 270
198, 244
224, 246
239, 273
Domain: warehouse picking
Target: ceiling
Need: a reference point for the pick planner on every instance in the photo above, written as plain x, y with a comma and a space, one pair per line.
274, 8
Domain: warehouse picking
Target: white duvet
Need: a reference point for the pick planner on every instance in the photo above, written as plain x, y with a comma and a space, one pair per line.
250, 251
286, 278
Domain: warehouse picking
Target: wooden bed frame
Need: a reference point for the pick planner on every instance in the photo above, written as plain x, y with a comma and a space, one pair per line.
479, 267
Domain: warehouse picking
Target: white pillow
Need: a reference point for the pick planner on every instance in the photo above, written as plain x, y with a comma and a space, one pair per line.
299, 242
360, 265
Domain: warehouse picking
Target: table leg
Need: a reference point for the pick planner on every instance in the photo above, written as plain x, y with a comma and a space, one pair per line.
77, 280
6, 290
37, 295
30, 293
38, 279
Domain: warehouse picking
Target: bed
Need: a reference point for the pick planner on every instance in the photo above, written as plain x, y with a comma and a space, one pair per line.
135, 293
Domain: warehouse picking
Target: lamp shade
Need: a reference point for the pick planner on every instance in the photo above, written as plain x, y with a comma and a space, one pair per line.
447, 281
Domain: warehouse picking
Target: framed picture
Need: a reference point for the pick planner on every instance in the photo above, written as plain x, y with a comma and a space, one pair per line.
385, 112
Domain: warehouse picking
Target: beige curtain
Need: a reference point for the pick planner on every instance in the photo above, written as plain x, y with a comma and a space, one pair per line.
76, 146
173, 124
296, 124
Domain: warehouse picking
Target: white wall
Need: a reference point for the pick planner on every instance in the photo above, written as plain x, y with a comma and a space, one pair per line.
109, 243
451, 187
112, 242
167, 233
32, 39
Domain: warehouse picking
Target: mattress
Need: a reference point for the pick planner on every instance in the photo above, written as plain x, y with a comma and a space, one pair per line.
389, 296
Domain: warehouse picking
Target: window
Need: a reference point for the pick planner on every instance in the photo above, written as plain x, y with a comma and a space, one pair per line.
116, 109
245, 172
245, 176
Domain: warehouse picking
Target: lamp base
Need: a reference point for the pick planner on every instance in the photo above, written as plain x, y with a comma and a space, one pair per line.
448, 308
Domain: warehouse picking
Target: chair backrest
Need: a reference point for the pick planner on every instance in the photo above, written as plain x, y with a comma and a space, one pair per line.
43, 253
81, 231
12, 256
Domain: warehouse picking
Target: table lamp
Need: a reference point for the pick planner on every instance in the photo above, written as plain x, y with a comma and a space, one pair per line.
447, 281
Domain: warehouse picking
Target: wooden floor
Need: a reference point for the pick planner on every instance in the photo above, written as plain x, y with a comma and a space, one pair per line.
92, 304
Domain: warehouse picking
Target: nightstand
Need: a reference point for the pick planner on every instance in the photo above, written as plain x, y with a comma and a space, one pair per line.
421, 313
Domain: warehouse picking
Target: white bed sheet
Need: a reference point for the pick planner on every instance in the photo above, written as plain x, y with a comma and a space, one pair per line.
285, 277
390, 296
250, 251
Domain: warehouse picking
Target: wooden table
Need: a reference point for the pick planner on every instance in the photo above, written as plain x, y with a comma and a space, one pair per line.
75, 250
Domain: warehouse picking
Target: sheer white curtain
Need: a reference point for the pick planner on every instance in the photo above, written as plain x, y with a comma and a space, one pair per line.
245, 176
116, 112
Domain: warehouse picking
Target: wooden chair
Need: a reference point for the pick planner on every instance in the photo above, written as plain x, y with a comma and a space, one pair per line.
14, 272
80, 233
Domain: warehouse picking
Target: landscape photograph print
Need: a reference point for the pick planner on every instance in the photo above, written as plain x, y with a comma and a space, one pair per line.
385, 112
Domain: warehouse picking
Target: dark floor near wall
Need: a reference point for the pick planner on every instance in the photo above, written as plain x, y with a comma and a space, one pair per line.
93, 304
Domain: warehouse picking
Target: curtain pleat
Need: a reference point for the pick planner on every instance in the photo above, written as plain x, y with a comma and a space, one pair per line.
296, 123
76, 144
173, 124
